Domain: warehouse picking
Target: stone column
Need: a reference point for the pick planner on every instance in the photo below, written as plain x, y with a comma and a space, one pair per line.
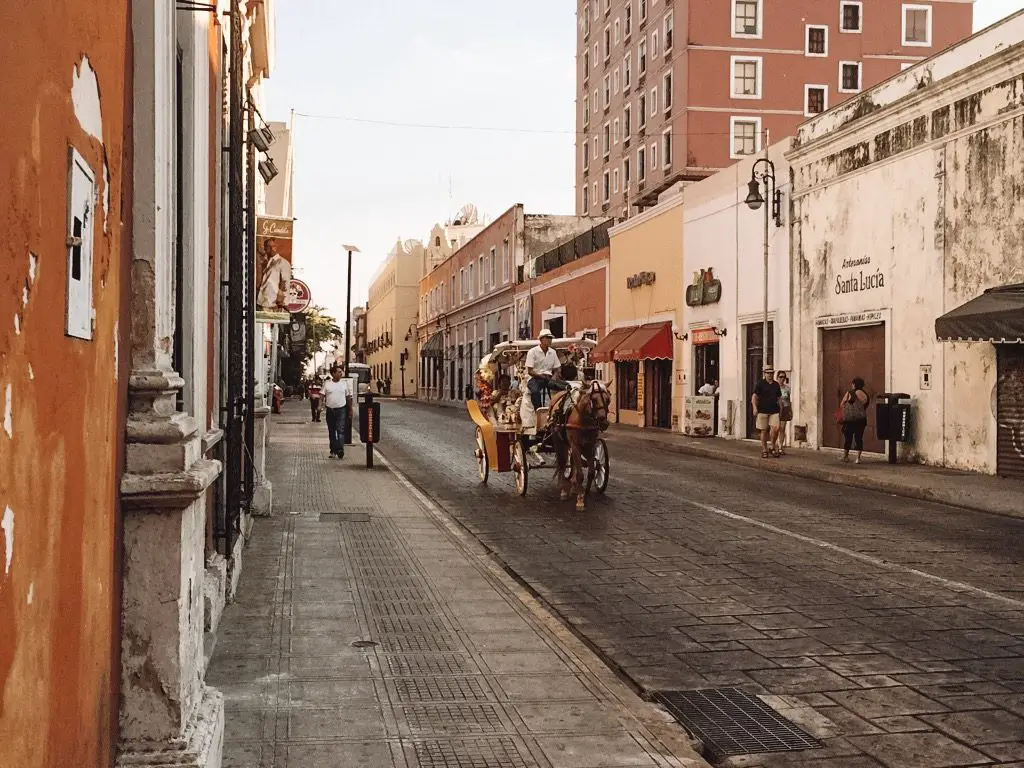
263, 491
168, 716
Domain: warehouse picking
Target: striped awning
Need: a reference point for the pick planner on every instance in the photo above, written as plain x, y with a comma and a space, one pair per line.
434, 346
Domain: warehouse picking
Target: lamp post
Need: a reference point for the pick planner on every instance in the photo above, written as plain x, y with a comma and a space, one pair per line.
348, 335
763, 173
401, 368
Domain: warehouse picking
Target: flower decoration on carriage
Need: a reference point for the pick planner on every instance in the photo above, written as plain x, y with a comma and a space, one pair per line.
485, 374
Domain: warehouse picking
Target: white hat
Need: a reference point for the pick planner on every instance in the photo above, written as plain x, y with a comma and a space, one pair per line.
546, 333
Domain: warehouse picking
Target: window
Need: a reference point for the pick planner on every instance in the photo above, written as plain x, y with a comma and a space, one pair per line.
595, 103
628, 377
746, 136
481, 275
627, 128
746, 77
629, 18
654, 157
643, 11
505, 266
625, 174
815, 99
606, 144
668, 30
615, 81
586, 66
607, 6
666, 148
850, 14
494, 267
597, 10
586, 19
642, 104
596, 59
849, 76
586, 154
641, 164
462, 284
746, 16
816, 43
917, 25
618, 30
607, 43
607, 90
606, 185
593, 191
586, 110
654, 102
654, 44
615, 181
615, 131
666, 91
627, 72
641, 57
453, 291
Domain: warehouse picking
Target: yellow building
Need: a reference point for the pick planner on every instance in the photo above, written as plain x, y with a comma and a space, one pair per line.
391, 321
646, 293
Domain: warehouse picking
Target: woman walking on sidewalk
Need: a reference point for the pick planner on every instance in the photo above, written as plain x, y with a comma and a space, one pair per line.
785, 411
855, 418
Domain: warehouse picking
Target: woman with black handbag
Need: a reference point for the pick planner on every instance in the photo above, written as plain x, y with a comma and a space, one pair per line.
855, 418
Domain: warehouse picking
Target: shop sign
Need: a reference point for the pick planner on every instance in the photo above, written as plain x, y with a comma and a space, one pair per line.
641, 388
704, 336
639, 280
856, 318
705, 289
854, 279
699, 416
297, 297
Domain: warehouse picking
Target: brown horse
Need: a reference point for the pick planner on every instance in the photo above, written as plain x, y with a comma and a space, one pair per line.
574, 438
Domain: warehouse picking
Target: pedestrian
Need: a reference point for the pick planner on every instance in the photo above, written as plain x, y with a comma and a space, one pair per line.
338, 399
785, 411
765, 402
315, 390
709, 388
854, 408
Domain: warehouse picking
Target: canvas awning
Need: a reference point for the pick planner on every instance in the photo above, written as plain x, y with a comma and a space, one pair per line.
996, 316
648, 342
605, 348
434, 346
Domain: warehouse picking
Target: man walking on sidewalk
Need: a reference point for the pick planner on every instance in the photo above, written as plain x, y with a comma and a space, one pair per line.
338, 399
765, 402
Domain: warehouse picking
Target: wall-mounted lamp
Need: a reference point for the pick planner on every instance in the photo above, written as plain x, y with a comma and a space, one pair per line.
755, 199
720, 332
261, 138
679, 336
268, 170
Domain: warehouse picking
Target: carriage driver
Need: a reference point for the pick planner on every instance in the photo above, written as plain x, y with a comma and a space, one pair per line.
541, 365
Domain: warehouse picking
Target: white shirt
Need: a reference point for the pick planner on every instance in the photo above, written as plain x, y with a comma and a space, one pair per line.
707, 389
336, 393
542, 362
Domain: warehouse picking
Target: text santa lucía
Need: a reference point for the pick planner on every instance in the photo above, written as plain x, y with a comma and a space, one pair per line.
859, 281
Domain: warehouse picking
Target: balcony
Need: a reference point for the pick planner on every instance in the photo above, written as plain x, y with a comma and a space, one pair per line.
582, 245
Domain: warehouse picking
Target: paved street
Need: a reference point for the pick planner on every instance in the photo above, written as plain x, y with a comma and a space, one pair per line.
889, 628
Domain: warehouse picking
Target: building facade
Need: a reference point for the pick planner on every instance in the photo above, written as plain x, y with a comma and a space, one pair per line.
641, 352
723, 258
390, 321
669, 91
907, 207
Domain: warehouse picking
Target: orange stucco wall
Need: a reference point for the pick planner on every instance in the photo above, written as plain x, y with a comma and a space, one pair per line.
60, 433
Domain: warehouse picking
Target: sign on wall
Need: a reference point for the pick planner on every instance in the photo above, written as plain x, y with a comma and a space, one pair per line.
857, 275
705, 289
640, 279
703, 336
854, 318
273, 263
298, 297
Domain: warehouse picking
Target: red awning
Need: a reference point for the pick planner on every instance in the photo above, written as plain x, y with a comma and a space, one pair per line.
605, 348
648, 342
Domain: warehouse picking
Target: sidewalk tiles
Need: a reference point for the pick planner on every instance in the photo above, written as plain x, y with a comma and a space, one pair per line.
370, 631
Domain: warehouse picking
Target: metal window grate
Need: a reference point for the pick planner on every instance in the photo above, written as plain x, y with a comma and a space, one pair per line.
732, 722
453, 718
473, 753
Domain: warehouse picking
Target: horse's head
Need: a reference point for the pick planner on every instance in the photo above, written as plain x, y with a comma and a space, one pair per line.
596, 403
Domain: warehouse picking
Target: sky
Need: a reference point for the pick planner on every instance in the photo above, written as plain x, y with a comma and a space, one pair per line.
455, 63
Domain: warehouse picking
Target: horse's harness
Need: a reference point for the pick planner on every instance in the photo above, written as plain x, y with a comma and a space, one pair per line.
598, 411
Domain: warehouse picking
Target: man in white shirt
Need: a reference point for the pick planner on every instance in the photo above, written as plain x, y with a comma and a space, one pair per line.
541, 365
337, 395
709, 388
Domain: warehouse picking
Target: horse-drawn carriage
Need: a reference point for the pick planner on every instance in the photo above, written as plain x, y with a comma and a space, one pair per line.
514, 436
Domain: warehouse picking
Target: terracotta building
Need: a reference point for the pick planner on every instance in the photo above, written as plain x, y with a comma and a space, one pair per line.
671, 91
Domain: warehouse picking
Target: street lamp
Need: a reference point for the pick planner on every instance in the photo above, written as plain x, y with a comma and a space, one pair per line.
348, 335
763, 173
402, 357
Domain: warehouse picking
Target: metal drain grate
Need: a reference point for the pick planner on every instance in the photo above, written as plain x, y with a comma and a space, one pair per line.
732, 722
402, 625
344, 517
440, 689
473, 753
410, 594
401, 609
453, 719
418, 643
429, 665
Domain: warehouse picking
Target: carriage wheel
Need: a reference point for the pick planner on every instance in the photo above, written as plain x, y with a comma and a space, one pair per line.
602, 465
482, 464
520, 467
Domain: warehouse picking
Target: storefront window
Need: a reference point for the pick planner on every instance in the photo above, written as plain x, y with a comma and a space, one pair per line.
627, 375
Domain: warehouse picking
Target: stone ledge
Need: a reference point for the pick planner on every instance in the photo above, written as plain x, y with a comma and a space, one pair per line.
201, 746
168, 491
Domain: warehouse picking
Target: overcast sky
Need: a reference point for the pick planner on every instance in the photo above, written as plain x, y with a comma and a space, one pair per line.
434, 63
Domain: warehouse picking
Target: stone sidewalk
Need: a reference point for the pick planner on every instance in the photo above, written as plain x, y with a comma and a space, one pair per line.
370, 631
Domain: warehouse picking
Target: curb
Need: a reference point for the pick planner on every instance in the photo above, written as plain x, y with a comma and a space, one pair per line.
867, 482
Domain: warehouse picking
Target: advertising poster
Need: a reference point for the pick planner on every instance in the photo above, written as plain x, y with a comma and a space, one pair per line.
699, 418
273, 264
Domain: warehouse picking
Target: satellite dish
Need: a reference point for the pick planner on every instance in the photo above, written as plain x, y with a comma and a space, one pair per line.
466, 215
411, 245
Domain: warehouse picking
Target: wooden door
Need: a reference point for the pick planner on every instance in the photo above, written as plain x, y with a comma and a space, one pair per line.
659, 393
755, 366
846, 353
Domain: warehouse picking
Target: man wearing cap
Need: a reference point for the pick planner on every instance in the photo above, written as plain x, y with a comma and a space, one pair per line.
541, 364
765, 402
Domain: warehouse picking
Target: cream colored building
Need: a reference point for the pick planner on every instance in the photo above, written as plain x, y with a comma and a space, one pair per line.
391, 321
645, 305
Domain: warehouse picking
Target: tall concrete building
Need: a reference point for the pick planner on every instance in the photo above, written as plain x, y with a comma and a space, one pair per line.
671, 91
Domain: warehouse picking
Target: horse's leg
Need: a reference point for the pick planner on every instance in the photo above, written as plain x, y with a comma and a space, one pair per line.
591, 464
561, 458
577, 471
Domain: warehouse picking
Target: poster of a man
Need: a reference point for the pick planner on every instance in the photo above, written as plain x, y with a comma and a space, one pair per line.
273, 263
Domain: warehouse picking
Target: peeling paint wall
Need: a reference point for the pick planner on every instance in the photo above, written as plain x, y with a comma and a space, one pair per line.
905, 214
62, 415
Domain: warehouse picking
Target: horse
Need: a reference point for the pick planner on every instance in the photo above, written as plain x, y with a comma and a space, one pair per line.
574, 439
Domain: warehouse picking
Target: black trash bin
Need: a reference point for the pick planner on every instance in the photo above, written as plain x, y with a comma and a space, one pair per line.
892, 420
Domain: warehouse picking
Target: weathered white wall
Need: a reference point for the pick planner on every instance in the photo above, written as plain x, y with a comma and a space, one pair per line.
928, 189
720, 231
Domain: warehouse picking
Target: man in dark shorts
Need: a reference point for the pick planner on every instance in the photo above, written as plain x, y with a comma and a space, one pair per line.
766, 405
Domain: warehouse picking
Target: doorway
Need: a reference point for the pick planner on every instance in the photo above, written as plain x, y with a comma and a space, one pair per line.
846, 353
705, 364
755, 362
658, 380
1010, 410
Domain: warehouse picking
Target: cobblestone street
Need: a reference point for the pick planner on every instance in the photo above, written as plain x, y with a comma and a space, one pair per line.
890, 629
